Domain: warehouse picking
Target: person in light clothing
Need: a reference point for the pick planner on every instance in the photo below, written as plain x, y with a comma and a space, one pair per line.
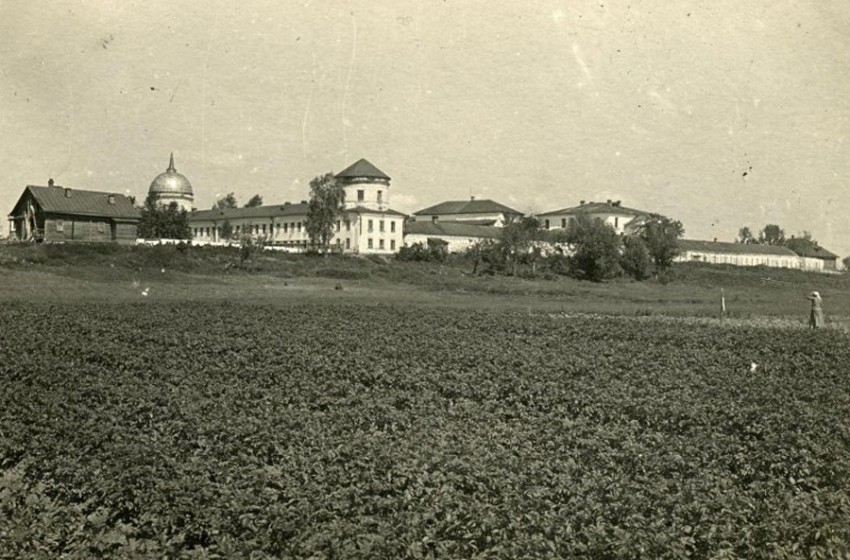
816, 316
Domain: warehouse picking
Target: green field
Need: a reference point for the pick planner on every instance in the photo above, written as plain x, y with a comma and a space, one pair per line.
312, 408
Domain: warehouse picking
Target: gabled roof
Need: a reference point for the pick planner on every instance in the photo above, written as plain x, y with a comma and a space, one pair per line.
815, 252
452, 229
734, 248
61, 200
471, 206
597, 208
362, 168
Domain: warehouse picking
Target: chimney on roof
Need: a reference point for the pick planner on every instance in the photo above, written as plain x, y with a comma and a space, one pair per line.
67, 193
111, 199
472, 197
287, 203
581, 203
715, 240
303, 202
50, 182
617, 204
608, 202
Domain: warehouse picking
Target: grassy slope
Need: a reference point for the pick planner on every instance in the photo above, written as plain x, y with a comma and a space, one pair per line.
110, 273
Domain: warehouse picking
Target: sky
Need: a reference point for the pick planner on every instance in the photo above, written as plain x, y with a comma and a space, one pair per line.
720, 114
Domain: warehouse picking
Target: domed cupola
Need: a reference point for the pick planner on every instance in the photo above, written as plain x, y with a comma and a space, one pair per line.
172, 186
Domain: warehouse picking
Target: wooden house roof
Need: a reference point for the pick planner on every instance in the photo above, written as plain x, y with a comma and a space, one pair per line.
63, 200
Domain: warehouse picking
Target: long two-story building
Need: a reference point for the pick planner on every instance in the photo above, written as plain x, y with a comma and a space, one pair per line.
367, 224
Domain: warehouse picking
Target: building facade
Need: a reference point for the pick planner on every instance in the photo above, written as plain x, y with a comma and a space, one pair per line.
472, 212
458, 236
55, 214
623, 220
745, 254
367, 224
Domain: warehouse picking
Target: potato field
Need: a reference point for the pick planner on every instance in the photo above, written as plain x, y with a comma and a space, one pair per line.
210, 430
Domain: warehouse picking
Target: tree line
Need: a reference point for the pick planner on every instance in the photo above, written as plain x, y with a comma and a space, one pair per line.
588, 249
773, 234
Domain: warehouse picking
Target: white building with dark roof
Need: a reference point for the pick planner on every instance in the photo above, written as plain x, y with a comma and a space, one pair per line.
472, 211
459, 236
367, 225
745, 254
622, 219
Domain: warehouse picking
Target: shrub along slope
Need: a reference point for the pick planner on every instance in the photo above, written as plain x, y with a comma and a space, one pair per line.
201, 430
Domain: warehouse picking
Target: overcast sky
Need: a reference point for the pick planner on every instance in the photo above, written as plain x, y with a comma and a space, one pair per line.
720, 114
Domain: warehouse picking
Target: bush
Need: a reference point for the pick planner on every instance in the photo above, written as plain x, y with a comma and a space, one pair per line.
636, 260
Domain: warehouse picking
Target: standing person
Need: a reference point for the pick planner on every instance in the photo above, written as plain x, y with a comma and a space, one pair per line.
816, 316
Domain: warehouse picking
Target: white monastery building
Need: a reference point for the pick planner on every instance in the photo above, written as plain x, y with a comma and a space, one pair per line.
171, 186
367, 225
623, 220
746, 254
472, 212
459, 236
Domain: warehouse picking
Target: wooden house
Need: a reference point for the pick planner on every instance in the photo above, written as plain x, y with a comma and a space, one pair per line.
55, 214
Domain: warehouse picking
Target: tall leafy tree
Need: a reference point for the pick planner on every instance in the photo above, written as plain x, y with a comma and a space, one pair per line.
254, 201
595, 247
636, 260
518, 239
745, 235
327, 199
772, 234
226, 202
163, 221
661, 235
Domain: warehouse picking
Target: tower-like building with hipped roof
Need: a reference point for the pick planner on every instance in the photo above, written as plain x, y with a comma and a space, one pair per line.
367, 225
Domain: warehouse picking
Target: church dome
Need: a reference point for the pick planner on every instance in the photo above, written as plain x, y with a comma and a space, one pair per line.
171, 182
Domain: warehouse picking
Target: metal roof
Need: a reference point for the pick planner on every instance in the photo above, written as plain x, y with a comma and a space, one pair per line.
452, 229
734, 248
274, 211
267, 211
63, 200
362, 168
471, 206
597, 208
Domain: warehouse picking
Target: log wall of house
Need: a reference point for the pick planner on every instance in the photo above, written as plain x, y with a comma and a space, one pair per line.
64, 229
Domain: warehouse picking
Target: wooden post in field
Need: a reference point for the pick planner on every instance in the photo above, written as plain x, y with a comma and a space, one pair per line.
722, 302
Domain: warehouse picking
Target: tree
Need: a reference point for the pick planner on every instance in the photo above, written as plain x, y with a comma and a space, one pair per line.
661, 235
518, 238
772, 234
746, 236
226, 229
255, 201
636, 260
226, 202
595, 248
163, 221
327, 199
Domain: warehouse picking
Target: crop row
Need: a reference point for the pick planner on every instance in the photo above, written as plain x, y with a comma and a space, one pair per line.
333, 431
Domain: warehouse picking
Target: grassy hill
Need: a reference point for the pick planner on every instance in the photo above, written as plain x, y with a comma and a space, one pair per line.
111, 272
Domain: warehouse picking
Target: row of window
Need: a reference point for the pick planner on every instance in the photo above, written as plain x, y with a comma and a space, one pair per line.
361, 196
294, 227
572, 219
